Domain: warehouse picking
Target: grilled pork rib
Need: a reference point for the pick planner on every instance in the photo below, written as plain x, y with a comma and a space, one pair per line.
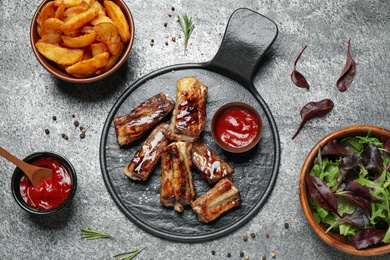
208, 163
189, 116
132, 126
177, 184
146, 158
219, 199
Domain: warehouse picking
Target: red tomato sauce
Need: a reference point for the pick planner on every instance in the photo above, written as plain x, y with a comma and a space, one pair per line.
237, 127
50, 193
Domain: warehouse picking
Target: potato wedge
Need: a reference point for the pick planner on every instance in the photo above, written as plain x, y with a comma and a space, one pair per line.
70, 3
58, 54
116, 14
97, 48
87, 54
101, 19
95, 3
79, 20
46, 12
111, 61
79, 42
109, 34
59, 13
86, 67
50, 31
76, 10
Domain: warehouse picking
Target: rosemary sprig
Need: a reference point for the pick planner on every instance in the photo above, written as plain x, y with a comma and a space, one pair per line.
90, 233
133, 254
187, 28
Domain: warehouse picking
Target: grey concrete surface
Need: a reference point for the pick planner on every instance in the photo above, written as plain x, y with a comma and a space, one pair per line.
30, 96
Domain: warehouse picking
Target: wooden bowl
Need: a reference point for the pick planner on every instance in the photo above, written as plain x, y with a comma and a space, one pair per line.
331, 238
221, 111
61, 74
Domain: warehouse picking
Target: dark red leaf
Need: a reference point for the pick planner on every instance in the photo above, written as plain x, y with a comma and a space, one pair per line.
360, 217
359, 189
348, 72
314, 109
358, 199
346, 164
298, 79
321, 193
371, 157
367, 237
333, 147
386, 143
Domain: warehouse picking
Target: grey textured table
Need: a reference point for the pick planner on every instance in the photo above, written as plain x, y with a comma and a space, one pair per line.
30, 97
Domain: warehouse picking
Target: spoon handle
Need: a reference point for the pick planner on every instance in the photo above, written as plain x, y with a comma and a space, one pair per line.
21, 164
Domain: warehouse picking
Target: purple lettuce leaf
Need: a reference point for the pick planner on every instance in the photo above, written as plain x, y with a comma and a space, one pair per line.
346, 164
362, 190
367, 237
356, 198
371, 157
360, 217
333, 147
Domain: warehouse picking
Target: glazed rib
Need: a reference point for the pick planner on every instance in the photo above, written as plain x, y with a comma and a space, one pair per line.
189, 116
208, 163
132, 126
177, 184
146, 158
221, 198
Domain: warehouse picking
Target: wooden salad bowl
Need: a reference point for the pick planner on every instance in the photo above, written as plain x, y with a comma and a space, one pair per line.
331, 238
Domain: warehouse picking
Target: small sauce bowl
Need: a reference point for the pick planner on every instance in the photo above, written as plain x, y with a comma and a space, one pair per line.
18, 175
216, 121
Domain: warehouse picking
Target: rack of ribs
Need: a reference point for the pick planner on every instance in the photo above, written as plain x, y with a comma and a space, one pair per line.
189, 115
222, 197
208, 163
131, 127
177, 184
148, 155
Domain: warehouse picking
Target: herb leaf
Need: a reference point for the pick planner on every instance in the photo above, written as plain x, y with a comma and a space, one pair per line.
367, 237
371, 157
346, 164
90, 233
360, 217
296, 77
187, 28
133, 253
356, 198
348, 72
333, 147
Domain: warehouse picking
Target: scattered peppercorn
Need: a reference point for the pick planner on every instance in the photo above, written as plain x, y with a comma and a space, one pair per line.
151, 43
65, 137
173, 39
273, 255
76, 123
229, 255
246, 257
253, 235
73, 115
54, 118
264, 258
242, 254
166, 43
179, 36
165, 24
169, 15
173, 8
47, 131
83, 130
245, 238
82, 135
213, 252
267, 235
286, 225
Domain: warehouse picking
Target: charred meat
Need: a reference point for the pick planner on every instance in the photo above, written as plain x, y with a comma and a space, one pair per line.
177, 184
189, 116
216, 201
132, 126
146, 158
208, 163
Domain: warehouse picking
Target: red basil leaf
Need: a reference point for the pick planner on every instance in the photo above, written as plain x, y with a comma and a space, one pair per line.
321, 193
357, 188
346, 164
356, 198
367, 237
348, 72
360, 217
314, 109
371, 157
298, 79
333, 147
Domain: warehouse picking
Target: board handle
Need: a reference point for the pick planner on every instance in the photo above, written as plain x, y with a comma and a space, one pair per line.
248, 36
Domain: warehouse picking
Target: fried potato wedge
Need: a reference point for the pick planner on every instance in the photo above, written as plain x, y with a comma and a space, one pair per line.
87, 54
59, 13
97, 48
58, 54
89, 66
70, 3
109, 34
101, 19
50, 31
111, 61
79, 20
73, 11
79, 42
116, 14
46, 12
95, 3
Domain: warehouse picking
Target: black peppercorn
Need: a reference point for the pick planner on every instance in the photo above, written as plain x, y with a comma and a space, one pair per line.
54, 118
47, 131
253, 235
245, 238
76, 123
242, 254
82, 135
229, 255
286, 225
213, 252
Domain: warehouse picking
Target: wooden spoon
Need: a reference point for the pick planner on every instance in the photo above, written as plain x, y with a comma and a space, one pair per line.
35, 174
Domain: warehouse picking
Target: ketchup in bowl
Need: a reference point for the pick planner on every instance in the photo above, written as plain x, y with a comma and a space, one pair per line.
236, 127
50, 193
